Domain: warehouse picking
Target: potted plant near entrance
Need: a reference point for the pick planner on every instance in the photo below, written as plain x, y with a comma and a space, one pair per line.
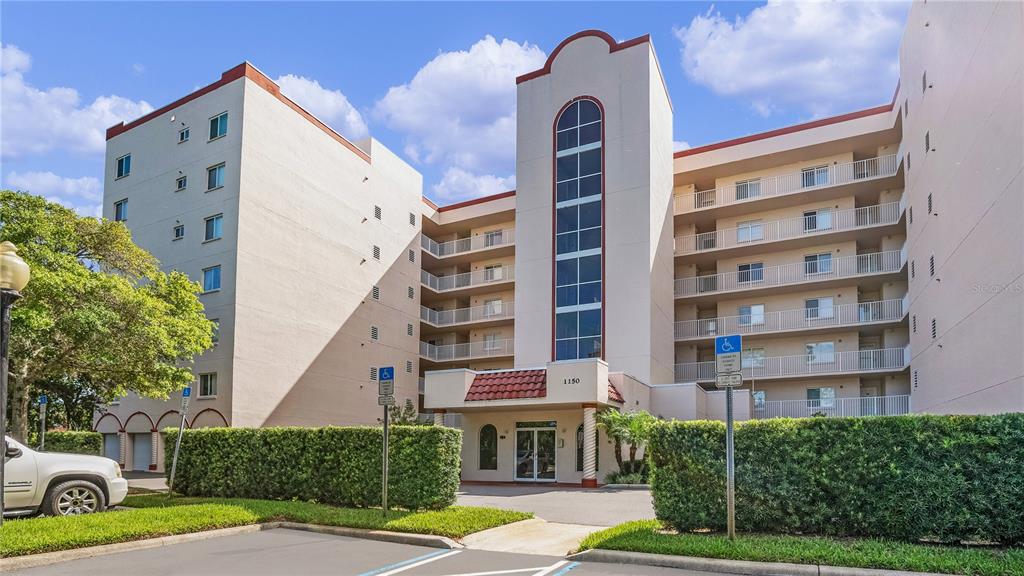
632, 429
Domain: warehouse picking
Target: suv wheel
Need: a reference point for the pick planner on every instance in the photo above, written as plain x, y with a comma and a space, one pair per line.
72, 498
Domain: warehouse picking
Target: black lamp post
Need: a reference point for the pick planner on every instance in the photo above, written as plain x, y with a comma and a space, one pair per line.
14, 275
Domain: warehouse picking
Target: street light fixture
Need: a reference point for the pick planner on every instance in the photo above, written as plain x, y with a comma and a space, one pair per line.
14, 275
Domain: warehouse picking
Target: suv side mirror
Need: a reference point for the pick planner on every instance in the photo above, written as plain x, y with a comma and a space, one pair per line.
12, 451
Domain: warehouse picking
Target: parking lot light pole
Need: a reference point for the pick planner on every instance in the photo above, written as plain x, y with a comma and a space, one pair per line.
14, 275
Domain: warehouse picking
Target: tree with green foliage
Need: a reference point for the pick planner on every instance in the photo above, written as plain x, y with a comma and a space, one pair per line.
630, 428
99, 318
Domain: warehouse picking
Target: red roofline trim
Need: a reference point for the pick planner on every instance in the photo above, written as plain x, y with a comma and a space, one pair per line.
243, 70
613, 46
472, 202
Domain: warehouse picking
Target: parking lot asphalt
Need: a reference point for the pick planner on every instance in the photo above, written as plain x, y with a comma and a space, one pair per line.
285, 552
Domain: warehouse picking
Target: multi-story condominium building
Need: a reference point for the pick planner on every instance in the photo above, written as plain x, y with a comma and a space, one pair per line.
872, 261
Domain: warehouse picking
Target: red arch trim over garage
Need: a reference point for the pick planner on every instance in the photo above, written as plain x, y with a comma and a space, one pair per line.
613, 46
214, 410
152, 426
120, 426
162, 416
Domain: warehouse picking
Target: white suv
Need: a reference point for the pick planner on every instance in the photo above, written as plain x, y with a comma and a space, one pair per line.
59, 484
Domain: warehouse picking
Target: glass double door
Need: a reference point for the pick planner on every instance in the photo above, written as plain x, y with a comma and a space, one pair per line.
535, 454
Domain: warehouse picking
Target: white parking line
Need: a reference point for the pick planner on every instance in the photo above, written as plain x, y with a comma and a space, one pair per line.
513, 571
412, 563
556, 566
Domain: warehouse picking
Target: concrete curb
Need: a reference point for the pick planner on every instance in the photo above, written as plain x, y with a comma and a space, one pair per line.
627, 486
34, 560
741, 567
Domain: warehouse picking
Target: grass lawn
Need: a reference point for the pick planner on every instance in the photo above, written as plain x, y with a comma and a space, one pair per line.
648, 536
157, 515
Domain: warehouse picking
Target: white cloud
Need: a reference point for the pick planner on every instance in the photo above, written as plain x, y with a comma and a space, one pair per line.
84, 194
37, 121
459, 110
458, 184
819, 57
680, 145
139, 69
331, 106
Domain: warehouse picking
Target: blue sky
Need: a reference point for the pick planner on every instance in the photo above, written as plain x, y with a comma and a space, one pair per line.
432, 81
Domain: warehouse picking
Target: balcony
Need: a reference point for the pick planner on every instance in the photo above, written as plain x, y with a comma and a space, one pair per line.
493, 312
466, 350
822, 222
835, 363
449, 251
803, 181
467, 280
789, 274
859, 314
863, 406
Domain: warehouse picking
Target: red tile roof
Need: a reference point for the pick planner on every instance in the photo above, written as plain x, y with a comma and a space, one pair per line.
508, 385
613, 394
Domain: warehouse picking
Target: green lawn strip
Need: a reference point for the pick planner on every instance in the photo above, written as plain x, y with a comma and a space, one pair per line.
47, 534
454, 522
646, 536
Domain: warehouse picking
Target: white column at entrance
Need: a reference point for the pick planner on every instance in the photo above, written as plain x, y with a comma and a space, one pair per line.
154, 445
589, 446
438, 417
122, 438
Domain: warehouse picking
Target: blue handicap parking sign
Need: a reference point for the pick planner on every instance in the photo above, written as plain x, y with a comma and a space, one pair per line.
728, 344
387, 373
43, 399
186, 392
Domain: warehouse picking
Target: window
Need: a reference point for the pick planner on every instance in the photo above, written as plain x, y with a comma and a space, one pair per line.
183, 135
121, 211
579, 221
408, 366
931, 265
215, 177
124, 166
214, 227
821, 397
412, 255
758, 396
816, 176
411, 293
751, 315
377, 213
818, 263
748, 188
179, 231
752, 358
753, 272
929, 203
815, 220
494, 238
374, 333
208, 385
180, 183
373, 373
211, 279
818, 352
750, 231
935, 329
492, 342
579, 449
412, 219
408, 329
215, 335
218, 126
819, 308
493, 273
376, 252
488, 447
492, 307
375, 292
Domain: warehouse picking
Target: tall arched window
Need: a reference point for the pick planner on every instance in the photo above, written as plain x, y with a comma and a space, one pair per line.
579, 218
579, 449
489, 447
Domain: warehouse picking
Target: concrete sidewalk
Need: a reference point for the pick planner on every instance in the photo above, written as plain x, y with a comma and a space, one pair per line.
147, 480
533, 536
600, 507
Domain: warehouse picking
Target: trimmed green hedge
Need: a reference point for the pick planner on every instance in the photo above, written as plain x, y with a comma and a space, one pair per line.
75, 442
944, 478
334, 465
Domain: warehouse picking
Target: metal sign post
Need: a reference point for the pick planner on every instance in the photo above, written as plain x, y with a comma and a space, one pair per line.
385, 398
728, 364
186, 392
43, 401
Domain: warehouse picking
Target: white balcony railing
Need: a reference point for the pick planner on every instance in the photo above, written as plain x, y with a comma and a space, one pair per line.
466, 350
798, 319
467, 279
488, 312
492, 239
852, 361
794, 273
862, 406
821, 222
807, 179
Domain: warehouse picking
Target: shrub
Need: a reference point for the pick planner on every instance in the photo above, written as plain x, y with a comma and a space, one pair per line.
625, 478
944, 478
75, 442
334, 465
